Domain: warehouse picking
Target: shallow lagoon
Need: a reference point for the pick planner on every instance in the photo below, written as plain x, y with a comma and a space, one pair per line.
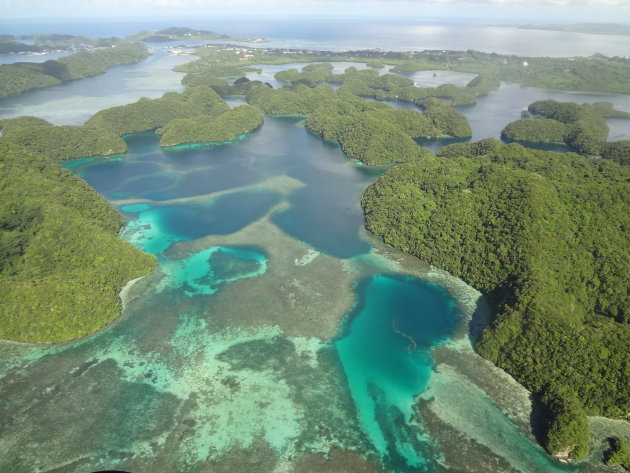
246, 350
252, 348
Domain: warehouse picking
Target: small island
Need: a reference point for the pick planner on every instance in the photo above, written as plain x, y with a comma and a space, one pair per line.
583, 127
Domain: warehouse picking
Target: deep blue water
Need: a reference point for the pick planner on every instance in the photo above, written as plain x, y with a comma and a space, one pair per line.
329, 198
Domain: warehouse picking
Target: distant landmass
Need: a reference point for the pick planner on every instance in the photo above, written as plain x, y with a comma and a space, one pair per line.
587, 28
177, 33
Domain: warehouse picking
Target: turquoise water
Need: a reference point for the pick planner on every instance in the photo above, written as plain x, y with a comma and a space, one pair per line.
154, 228
272, 335
206, 271
385, 355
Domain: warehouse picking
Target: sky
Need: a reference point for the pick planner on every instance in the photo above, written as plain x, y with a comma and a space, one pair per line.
517, 11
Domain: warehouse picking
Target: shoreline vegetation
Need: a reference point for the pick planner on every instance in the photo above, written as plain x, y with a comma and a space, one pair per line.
543, 235
596, 73
23, 76
60, 252
582, 127
46, 43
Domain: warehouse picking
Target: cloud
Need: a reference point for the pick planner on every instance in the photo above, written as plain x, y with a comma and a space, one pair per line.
202, 4
571, 10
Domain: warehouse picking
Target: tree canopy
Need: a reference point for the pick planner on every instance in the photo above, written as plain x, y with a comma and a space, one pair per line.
545, 236
582, 127
22, 76
61, 263
61, 143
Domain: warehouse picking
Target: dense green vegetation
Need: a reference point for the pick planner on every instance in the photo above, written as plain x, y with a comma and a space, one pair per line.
296, 100
449, 121
618, 151
9, 46
216, 75
566, 427
23, 76
536, 130
61, 263
310, 75
8, 125
194, 116
61, 143
149, 114
372, 132
619, 454
594, 74
545, 236
86, 64
582, 127
369, 83
204, 128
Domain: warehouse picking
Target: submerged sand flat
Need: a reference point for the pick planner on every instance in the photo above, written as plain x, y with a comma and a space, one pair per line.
276, 334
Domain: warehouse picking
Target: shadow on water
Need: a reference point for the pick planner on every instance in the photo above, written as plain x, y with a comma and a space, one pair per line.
434, 144
557, 147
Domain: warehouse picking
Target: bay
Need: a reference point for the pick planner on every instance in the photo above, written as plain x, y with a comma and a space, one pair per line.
72, 103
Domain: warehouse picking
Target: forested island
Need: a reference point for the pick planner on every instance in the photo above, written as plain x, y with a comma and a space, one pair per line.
373, 132
59, 250
583, 127
543, 235
60, 254
197, 115
22, 76
180, 33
